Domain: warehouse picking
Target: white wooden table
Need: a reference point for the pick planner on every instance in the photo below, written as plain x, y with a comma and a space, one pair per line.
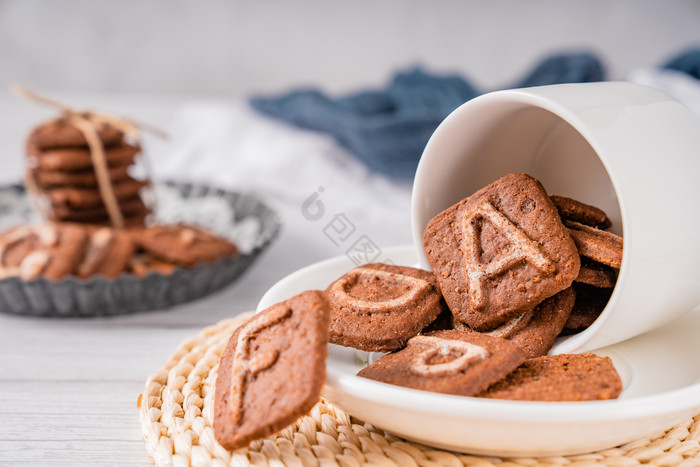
69, 387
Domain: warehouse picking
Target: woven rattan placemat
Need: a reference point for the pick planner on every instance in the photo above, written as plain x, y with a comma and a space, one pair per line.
176, 414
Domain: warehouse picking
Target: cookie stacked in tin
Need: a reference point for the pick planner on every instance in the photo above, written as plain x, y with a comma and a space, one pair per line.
72, 185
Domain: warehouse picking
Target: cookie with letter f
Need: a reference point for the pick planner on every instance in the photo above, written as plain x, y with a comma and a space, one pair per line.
452, 362
500, 252
272, 370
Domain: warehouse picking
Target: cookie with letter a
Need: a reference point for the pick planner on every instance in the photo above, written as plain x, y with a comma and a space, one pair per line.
451, 362
272, 370
500, 252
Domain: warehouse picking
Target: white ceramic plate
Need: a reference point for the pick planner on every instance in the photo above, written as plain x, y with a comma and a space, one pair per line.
660, 373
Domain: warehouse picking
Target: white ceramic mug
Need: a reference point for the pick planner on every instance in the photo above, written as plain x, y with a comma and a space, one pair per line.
628, 149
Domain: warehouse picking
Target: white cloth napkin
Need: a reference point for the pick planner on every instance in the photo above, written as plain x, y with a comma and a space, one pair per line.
229, 145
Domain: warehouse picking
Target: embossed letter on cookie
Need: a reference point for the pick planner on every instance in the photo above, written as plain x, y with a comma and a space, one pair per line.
378, 307
451, 362
272, 370
499, 252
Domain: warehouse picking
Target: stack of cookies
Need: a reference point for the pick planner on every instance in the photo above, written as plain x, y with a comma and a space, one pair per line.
508, 263
61, 171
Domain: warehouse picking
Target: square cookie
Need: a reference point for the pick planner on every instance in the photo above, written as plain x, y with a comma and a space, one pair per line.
565, 377
272, 370
500, 252
450, 362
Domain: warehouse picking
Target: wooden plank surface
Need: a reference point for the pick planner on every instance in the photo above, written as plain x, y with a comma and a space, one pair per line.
69, 387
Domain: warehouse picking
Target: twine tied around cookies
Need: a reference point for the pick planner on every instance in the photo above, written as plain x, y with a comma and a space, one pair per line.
87, 123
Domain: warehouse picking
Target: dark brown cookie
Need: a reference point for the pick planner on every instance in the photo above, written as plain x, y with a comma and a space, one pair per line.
85, 198
128, 207
183, 245
77, 159
596, 274
130, 221
499, 252
143, 264
59, 134
272, 370
579, 377
80, 179
108, 252
572, 210
598, 245
450, 362
545, 323
536, 330
442, 323
590, 303
378, 307
50, 250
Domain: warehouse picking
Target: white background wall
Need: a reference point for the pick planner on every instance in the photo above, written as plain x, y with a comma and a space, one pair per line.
218, 47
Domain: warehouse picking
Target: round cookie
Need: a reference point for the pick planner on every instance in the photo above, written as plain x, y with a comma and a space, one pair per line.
50, 250
183, 245
598, 245
131, 221
128, 207
59, 134
86, 198
378, 307
108, 252
566, 377
573, 210
84, 178
450, 362
76, 159
143, 264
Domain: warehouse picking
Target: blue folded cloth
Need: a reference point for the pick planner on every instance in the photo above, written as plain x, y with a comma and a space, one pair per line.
388, 129
687, 62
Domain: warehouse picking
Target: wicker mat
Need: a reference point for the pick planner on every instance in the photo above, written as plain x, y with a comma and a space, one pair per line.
176, 414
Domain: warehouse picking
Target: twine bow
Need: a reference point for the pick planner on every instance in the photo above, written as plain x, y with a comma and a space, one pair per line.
88, 122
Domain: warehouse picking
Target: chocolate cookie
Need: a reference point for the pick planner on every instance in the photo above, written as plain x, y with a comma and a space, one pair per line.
598, 245
450, 362
85, 198
80, 179
536, 330
49, 250
76, 159
143, 264
133, 220
272, 370
108, 252
128, 207
442, 323
499, 252
378, 307
572, 210
596, 274
590, 303
183, 245
579, 377
59, 134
